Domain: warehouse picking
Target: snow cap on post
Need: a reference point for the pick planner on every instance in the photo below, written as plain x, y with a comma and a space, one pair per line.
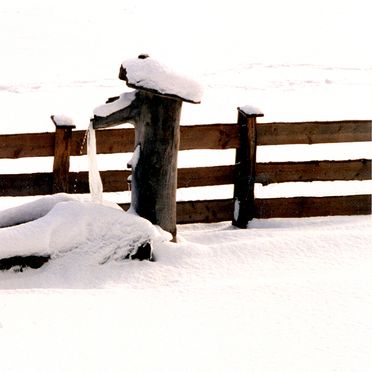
62, 121
249, 110
145, 73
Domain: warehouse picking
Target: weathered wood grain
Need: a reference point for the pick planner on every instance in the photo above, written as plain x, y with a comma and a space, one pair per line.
205, 136
313, 206
26, 184
14, 146
209, 136
205, 211
205, 176
314, 132
109, 141
343, 170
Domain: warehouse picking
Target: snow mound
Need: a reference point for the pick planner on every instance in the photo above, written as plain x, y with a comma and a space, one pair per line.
66, 224
123, 101
149, 74
250, 110
62, 120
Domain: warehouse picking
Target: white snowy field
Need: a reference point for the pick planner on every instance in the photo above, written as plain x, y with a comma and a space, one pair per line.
285, 294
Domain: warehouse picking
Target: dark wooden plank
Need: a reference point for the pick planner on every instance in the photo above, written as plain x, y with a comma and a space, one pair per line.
209, 136
313, 206
201, 211
193, 137
314, 132
108, 141
14, 146
26, 184
112, 181
205, 211
206, 176
345, 170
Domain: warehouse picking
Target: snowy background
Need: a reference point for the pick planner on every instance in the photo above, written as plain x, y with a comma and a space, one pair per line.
284, 295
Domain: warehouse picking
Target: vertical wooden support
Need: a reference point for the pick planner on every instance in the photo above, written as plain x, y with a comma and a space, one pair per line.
245, 169
61, 164
154, 181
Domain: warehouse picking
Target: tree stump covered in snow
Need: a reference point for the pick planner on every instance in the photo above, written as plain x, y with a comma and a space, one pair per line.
155, 109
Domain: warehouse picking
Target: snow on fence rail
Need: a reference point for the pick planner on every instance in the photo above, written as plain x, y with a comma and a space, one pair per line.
66, 142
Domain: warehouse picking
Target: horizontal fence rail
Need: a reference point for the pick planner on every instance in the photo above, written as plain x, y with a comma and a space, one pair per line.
207, 136
210, 137
266, 173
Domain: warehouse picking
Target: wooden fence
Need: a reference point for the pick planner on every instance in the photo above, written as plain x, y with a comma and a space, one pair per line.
66, 142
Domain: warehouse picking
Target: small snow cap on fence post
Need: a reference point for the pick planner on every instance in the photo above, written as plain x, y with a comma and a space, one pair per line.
245, 166
155, 109
62, 144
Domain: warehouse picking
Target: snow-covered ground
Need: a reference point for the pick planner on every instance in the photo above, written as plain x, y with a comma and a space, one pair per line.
283, 295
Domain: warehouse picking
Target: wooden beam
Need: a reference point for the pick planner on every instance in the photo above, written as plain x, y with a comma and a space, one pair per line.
205, 136
205, 211
201, 211
314, 132
345, 170
112, 181
313, 206
205, 176
26, 184
109, 141
14, 146
209, 136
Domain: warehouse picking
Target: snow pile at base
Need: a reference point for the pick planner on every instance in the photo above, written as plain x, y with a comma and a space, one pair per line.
285, 295
123, 101
62, 120
150, 74
251, 110
67, 224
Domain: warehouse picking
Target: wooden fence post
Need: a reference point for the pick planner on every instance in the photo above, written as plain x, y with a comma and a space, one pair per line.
245, 167
61, 163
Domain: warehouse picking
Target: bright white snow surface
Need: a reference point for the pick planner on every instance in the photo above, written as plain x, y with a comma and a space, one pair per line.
284, 295
151, 74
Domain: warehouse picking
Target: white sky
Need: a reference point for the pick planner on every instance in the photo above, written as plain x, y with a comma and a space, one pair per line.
200, 33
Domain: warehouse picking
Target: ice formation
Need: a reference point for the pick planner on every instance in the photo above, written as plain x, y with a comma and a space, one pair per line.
95, 182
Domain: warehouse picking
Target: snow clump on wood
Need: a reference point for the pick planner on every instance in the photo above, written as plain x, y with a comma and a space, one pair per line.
147, 73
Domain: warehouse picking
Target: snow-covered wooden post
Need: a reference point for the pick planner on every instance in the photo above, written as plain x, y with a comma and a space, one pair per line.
155, 109
245, 166
62, 144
